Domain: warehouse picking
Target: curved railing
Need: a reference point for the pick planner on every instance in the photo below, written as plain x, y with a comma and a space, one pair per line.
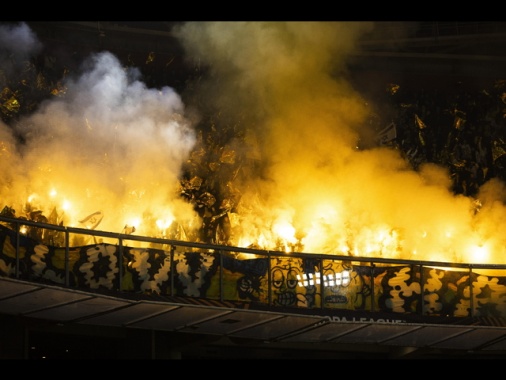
146, 266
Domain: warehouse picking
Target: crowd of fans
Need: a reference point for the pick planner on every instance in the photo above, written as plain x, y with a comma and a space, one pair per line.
461, 129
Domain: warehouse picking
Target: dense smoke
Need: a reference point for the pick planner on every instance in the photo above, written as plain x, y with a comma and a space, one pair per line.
17, 44
108, 145
313, 186
303, 175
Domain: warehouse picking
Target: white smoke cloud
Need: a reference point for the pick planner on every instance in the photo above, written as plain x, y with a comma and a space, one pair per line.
110, 144
17, 42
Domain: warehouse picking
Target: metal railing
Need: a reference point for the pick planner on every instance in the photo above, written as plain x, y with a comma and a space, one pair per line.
316, 281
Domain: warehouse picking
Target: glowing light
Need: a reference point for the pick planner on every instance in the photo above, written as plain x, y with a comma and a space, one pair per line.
479, 253
337, 279
164, 223
133, 224
285, 230
345, 279
66, 205
308, 279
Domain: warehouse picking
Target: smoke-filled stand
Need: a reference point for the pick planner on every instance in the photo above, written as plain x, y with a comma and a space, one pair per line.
252, 190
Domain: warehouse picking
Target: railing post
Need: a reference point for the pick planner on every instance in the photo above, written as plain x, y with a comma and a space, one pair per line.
269, 279
421, 290
322, 284
372, 286
172, 269
120, 264
67, 258
471, 298
220, 252
17, 248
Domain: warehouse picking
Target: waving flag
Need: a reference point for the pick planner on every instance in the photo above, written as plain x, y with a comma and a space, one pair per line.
93, 220
387, 134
